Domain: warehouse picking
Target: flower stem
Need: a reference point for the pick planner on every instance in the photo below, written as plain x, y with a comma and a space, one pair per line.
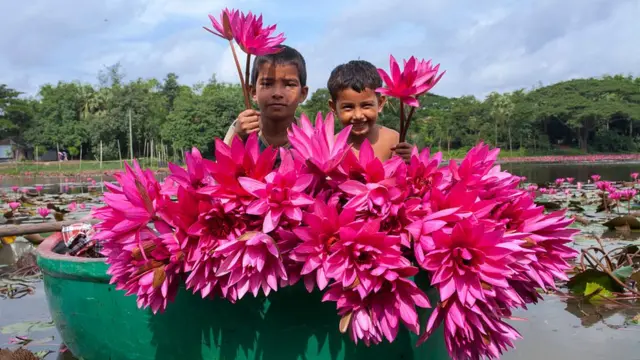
246, 73
402, 120
245, 91
408, 122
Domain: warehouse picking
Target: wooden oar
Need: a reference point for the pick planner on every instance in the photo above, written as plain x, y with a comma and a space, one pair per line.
46, 227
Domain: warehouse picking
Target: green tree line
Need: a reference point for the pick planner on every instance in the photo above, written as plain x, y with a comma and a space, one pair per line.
579, 115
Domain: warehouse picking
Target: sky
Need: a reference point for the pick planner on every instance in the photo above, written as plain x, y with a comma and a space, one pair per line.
484, 45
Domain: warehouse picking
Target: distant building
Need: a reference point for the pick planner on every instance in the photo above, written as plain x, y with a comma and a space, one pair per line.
11, 150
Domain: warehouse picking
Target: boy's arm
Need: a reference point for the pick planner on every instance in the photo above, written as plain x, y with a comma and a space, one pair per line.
402, 149
247, 122
228, 138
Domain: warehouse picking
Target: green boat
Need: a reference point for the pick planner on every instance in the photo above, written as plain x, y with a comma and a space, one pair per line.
96, 322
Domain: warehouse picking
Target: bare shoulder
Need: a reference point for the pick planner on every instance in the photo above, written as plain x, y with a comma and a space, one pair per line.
389, 136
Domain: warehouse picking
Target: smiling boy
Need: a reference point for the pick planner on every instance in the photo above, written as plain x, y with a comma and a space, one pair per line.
355, 102
278, 86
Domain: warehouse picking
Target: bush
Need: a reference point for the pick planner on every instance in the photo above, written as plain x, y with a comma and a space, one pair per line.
612, 141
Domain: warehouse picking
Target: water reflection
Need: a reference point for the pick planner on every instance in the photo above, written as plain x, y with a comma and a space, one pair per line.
557, 330
57, 184
614, 315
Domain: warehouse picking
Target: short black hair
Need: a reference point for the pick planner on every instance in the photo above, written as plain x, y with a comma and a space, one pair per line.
357, 75
286, 56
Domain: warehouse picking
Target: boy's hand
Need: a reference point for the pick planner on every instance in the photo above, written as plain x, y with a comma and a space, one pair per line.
403, 150
248, 122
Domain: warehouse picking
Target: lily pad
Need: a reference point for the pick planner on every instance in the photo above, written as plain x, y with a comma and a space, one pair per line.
576, 208
595, 292
43, 341
549, 205
623, 273
578, 283
25, 327
625, 220
42, 353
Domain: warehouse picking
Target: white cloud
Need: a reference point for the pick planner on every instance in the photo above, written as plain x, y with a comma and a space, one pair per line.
484, 46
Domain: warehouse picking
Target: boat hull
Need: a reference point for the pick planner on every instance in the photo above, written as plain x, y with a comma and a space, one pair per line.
98, 322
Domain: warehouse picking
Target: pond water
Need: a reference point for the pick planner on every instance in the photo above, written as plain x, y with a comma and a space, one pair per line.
535, 173
542, 173
553, 329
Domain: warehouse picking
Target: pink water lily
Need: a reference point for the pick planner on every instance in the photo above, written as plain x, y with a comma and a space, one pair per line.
363, 256
316, 146
237, 161
44, 212
218, 24
374, 187
14, 205
470, 258
212, 224
423, 172
253, 263
415, 79
281, 195
253, 38
318, 237
478, 162
148, 266
195, 176
428, 73
380, 313
629, 194
548, 237
130, 206
475, 332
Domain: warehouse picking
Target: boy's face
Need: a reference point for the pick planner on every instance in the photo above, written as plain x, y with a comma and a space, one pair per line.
278, 91
359, 109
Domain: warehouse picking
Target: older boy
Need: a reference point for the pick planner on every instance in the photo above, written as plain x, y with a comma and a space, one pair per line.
355, 102
278, 86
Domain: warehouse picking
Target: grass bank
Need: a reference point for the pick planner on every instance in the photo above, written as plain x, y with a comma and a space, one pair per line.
72, 167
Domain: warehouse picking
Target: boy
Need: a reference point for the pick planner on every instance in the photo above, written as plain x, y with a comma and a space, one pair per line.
278, 85
355, 102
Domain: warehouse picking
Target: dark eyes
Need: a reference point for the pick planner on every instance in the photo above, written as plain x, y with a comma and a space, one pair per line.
271, 83
364, 106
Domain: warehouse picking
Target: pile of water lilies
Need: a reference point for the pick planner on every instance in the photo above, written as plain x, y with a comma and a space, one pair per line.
354, 227
351, 226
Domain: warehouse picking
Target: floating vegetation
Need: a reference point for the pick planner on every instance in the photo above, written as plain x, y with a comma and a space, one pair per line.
19, 281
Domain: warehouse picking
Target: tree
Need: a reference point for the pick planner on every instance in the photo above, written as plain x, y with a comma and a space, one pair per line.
595, 114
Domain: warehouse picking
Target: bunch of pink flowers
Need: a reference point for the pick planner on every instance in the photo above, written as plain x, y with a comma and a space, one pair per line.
253, 38
358, 229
